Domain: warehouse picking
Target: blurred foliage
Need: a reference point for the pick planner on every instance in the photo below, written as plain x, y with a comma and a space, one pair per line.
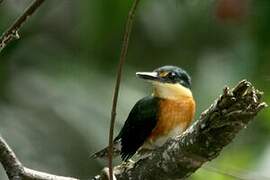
57, 80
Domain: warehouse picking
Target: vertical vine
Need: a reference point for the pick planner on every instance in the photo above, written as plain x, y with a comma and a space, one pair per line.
122, 59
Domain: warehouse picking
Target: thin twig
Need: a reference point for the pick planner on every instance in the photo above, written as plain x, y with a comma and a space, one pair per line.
12, 32
123, 56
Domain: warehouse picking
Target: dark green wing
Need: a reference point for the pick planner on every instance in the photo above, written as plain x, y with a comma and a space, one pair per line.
141, 121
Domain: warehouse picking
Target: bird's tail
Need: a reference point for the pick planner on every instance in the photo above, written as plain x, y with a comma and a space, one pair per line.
104, 153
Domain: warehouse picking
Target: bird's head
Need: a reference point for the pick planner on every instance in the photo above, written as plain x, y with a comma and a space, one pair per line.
169, 82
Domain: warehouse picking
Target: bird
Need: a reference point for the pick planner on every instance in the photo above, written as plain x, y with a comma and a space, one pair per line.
164, 114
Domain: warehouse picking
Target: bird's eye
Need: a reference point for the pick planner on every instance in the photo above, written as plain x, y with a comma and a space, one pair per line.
171, 75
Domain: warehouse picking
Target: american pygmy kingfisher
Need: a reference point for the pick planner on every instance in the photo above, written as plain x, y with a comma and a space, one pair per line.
156, 118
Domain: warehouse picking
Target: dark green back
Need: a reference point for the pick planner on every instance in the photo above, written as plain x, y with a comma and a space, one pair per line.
141, 121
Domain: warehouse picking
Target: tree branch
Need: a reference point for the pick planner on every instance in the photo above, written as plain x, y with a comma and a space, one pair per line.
11, 164
202, 142
122, 59
30, 174
12, 32
16, 171
179, 157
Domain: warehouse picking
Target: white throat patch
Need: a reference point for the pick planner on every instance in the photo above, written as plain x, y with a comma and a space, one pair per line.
171, 91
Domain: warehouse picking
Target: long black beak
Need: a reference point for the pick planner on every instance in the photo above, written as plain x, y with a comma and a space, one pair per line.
152, 76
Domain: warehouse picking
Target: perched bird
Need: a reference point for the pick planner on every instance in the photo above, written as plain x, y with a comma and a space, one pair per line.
156, 118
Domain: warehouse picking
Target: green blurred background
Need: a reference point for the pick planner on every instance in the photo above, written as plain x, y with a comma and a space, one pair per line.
57, 80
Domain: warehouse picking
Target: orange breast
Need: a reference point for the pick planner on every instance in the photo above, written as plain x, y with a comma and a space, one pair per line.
173, 114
